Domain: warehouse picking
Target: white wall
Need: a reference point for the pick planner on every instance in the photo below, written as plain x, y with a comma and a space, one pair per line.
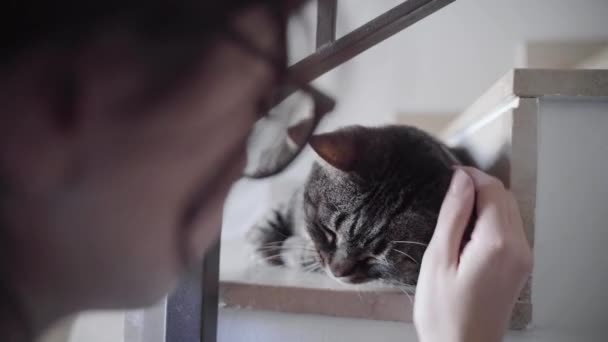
443, 63
560, 54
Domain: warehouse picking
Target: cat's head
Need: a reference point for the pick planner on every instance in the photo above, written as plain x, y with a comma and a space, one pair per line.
371, 202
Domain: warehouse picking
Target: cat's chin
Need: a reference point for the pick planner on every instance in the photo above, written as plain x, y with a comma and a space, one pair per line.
350, 280
354, 280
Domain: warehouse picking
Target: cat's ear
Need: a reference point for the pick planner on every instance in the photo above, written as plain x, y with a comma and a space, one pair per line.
340, 149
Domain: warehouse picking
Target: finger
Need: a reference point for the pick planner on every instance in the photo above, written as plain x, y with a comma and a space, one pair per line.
489, 189
492, 204
453, 218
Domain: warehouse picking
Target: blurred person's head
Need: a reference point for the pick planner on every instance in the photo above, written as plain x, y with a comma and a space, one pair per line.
122, 127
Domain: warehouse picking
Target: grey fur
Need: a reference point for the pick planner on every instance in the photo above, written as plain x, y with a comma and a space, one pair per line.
371, 222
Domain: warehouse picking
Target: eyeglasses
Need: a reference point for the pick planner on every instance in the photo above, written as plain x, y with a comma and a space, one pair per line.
288, 120
283, 130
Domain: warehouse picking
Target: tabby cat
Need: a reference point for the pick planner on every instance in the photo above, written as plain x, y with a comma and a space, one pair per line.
367, 210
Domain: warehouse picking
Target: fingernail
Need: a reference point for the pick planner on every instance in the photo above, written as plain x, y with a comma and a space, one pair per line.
460, 181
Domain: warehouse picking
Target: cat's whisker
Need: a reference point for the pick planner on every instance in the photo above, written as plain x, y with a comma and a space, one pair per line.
406, 255
269, 248
281, 250
311, 268
412, 243
270, 257
292, 248
308, 269
381, 260
282, 243
305, 251
291, 242
268, 254
281, 234
309, 262
273, 243
407, 294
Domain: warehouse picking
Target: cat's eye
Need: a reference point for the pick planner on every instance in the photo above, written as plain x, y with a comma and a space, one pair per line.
380, 248
369, 260
330, 235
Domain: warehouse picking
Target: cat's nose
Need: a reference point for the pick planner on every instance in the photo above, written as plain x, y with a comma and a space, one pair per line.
342, 268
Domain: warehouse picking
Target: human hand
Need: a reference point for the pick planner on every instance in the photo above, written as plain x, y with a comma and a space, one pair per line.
469, 295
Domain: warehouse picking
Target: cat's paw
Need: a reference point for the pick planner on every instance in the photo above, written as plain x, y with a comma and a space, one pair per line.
267, 237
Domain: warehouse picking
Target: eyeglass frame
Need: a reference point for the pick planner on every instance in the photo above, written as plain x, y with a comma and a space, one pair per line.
323, 104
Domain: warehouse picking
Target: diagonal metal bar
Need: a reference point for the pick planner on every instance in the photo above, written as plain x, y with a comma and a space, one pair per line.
378, 29
192, 309
210, 294
326, 21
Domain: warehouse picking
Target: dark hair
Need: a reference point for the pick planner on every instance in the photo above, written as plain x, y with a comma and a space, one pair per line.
172, 36
26, 24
